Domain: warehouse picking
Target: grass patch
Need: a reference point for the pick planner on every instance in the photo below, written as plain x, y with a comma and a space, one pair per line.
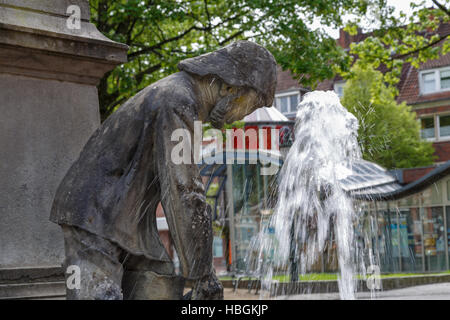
334, 276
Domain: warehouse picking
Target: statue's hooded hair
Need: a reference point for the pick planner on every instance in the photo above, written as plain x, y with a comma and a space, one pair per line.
240, 64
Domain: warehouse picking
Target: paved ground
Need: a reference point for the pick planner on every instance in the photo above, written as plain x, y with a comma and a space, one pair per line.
240, 294
439, 291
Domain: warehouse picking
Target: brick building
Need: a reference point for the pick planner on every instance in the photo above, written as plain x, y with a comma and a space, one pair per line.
426, 89
288, 94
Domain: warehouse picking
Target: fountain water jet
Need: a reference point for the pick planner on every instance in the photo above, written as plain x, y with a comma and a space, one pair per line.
311, 202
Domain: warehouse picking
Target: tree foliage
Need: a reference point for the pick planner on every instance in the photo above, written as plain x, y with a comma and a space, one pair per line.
161, 33
389, 133
399, 39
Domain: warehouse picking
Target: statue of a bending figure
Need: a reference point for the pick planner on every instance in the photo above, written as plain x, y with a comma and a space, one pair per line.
106, 203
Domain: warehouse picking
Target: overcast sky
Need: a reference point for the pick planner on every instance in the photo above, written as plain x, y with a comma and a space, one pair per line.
400, 5
404, 5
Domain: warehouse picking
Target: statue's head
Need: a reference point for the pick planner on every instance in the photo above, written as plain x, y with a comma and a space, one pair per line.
246, 76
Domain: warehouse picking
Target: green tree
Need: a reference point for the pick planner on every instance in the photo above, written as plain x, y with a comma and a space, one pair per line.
389, 133
399, 39
161, 33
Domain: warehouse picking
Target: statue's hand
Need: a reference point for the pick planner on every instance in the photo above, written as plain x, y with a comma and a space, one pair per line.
208, 288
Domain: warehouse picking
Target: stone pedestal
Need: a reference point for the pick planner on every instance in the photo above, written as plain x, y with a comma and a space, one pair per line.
48, 109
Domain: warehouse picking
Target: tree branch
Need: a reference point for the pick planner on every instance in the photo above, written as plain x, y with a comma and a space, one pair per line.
149, 70
152, 48
102, 9
133, 55
130, 31
234, 35
431, 44
207, 13
441, 7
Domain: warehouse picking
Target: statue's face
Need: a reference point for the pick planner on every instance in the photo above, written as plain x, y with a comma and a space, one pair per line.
244, 104
233, 105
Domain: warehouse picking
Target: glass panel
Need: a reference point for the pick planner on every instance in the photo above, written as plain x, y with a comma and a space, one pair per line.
218, 247
433, 233
406, 202
253, 188
252, 195
427, 130
448, 190
444, 126
448, 227
426, 197
246, 230
445, 79
394, 240
283, 104
387, 244
436, 193
238, 188
294, 102
406, 241
370, 236
381, 205
428, 82
339, 89
414, 225
270, 194
432, 195
416, 199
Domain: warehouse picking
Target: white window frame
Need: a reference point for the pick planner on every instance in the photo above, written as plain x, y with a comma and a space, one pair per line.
437, 77
437, 129
290, 113
435, 138
338, 84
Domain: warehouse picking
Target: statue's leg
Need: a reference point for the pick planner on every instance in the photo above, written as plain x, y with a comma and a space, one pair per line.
97, 260
145, 279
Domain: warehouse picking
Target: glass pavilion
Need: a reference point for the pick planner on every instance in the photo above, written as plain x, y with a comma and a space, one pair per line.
407, 227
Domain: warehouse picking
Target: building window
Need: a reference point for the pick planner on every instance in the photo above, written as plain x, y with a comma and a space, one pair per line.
428, 82
444, 126
445, 79
339, 89
434, 239
287, 103
448, 227
294, 102
435, 128
217, 247
432, 81
284, 104
427, 128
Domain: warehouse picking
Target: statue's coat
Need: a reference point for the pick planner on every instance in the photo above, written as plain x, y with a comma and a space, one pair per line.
125, 169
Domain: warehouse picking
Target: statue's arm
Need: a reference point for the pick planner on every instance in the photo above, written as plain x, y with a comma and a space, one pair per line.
183, 199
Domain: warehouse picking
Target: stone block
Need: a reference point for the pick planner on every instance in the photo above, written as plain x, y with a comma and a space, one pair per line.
48, 110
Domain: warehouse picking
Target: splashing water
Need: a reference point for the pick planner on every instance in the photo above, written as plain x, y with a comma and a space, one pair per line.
311, 202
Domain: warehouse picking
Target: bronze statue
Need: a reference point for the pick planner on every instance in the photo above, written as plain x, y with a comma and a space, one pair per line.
107, 201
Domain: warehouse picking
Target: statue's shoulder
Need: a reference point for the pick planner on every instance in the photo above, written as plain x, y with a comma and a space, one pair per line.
173, 92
